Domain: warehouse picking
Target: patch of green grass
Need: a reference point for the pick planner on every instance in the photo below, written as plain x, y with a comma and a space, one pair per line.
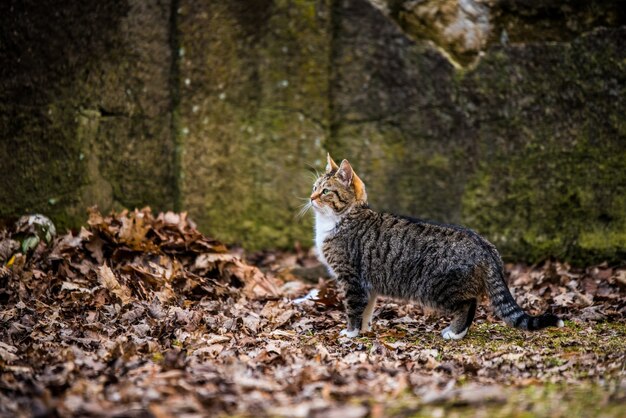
584, 351
550, 400
597, 338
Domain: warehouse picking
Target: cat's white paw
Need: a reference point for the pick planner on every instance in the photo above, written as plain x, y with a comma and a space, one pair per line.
448, 334
560, 324
349, 334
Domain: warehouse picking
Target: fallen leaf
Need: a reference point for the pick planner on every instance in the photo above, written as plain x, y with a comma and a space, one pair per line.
110, 282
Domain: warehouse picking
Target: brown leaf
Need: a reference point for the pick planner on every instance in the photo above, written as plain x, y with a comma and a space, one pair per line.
110, 282
252, 321
95, 246
8, 353
256, 283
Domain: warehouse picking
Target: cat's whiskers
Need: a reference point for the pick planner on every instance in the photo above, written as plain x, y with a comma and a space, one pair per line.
304, 208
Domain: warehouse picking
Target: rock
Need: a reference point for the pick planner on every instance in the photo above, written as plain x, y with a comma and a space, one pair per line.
253, 115
465, 29
85, 108
505, 148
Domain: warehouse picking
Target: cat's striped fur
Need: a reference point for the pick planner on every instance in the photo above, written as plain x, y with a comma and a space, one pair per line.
444, 267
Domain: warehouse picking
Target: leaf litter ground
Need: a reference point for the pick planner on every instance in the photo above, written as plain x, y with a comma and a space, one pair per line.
142, 315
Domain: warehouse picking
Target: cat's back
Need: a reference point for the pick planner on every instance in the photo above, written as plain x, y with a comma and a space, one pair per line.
396, 234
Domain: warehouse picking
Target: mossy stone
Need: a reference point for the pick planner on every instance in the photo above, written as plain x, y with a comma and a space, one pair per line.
253, 115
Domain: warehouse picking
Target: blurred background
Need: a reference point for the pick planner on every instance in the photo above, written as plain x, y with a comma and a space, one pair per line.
506, 116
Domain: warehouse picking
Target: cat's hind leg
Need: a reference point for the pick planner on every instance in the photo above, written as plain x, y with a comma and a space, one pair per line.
463, 316
366, 322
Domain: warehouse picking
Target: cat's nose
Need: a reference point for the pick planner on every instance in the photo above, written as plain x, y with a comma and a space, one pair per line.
314, 196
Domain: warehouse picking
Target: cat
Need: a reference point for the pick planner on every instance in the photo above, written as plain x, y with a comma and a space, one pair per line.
447, 268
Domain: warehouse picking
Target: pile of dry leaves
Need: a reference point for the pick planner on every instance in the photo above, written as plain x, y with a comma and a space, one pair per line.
137, 315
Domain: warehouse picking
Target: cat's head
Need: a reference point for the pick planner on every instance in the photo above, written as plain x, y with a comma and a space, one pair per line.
338, 190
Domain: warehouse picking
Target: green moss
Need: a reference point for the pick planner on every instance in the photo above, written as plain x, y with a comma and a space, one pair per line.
553, 400
527, 147
552, 180
255, 115
42, 162
402, 174
553, 343
82, 128
576, 346
539, 204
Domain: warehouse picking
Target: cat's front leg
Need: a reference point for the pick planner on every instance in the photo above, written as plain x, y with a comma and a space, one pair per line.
356, 301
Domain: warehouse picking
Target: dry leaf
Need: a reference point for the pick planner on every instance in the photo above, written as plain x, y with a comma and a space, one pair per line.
110, 282
170, 318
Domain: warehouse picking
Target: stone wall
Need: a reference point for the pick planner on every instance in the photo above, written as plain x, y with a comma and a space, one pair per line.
225, 108
551, 140
253, 115
526, 145
85, 107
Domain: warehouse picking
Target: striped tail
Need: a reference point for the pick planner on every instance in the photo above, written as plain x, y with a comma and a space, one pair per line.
509, 311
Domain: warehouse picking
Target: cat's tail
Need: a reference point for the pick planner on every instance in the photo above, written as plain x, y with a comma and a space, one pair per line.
509, 311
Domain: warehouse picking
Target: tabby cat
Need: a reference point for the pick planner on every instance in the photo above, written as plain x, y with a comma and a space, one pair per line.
443, 267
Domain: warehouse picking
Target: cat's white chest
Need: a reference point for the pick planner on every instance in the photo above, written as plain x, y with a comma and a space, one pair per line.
324, 227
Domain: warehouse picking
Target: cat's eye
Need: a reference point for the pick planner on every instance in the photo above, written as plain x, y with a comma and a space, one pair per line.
325, 191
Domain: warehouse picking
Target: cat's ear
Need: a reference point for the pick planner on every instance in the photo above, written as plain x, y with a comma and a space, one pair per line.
345, 174
348, 177
359, 188
330, 164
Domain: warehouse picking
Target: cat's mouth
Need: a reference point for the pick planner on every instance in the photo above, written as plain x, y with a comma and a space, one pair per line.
317, 206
